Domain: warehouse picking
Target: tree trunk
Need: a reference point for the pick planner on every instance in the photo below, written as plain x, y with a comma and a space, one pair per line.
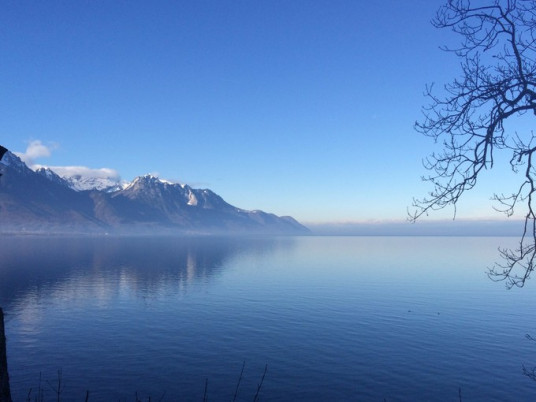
5, 393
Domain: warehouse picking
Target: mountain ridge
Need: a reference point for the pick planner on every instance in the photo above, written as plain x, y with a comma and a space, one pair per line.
41, 201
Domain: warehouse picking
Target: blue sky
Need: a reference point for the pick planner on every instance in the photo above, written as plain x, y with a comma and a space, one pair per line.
302, 108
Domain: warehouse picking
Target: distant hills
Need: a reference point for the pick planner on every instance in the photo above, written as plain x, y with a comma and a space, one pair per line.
43, 202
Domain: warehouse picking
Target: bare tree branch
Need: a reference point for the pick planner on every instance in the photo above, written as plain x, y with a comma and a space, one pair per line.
497, 84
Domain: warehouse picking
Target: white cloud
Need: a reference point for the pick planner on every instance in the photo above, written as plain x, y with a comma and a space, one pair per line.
35, 150
83, 172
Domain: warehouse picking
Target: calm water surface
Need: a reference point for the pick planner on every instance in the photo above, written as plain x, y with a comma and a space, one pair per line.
334, 318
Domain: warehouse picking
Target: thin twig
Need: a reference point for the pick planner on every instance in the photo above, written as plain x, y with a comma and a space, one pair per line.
58, 390
205, 398
239, 380
260, 385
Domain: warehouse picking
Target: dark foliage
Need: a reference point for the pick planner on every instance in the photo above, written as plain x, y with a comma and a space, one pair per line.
2, 152
5, 393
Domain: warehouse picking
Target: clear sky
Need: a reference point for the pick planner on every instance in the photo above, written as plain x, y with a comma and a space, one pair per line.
302, 108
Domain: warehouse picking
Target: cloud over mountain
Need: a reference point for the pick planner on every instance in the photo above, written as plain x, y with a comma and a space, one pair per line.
83, 174
82, 171
35, 150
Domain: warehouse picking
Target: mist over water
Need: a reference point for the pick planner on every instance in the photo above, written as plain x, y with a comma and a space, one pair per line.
335, 318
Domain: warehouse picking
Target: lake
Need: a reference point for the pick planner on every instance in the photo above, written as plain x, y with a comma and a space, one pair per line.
333, 318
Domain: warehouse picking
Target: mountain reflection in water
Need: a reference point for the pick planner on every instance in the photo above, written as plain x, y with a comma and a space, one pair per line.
107, 266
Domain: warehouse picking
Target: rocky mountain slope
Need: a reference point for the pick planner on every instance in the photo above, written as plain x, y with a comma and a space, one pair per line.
41, 201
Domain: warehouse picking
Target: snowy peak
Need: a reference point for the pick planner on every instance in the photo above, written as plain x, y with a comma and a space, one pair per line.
52, 176
157, 191
79, 182
146, 183
82, 183
150, 180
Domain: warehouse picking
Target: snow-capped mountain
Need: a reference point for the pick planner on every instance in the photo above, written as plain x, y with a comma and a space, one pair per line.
81, 183
150, 188
52, 176
43, 201
31, 201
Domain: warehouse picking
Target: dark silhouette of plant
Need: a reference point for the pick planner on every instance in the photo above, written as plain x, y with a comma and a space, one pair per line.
256, 398
205, 396
2, 152
57, 388
497, 84
5, 391
239, 381
530, 372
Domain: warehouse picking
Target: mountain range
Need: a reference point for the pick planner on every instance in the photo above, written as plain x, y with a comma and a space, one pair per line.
41, 201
